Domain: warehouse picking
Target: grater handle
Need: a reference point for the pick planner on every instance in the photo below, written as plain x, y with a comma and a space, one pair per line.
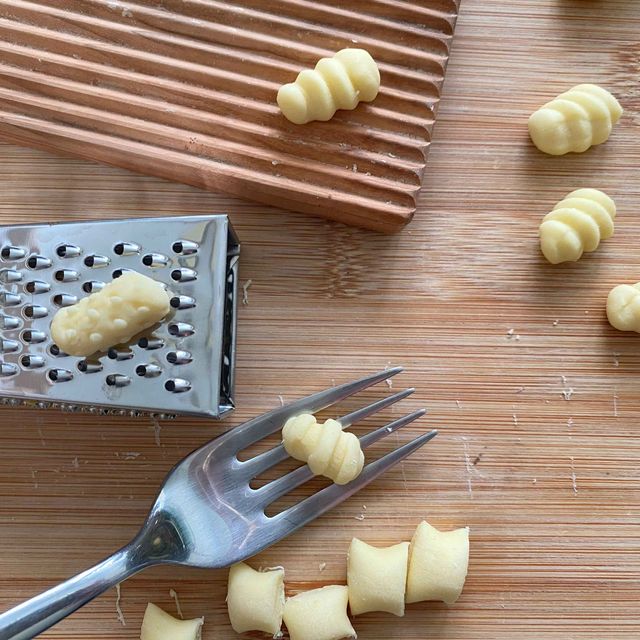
36, 615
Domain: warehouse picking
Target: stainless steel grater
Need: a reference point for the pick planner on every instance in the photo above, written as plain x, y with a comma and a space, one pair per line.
184, 365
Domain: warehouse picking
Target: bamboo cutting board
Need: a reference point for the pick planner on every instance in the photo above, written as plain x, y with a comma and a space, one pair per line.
539, 449
185, 90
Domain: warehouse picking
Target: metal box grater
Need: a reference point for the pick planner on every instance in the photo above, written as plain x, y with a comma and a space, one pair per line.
183, 365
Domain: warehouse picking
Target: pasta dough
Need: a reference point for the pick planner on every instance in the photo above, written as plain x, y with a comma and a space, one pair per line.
255, 599
577, 224
159, 625
340, 82
320, 614
438, 562
123, 308
623, 307
377, 577
575, 120
326, 448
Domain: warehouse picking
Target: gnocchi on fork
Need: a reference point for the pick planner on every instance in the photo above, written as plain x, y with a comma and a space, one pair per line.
207, 514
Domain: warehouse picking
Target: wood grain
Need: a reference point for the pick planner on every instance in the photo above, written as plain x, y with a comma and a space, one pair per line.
186, 90
550, 486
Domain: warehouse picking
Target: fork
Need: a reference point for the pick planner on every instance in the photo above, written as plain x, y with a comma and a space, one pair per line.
207, 514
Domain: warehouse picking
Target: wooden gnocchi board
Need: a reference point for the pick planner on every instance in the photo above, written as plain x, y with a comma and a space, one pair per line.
185, 90
538, 450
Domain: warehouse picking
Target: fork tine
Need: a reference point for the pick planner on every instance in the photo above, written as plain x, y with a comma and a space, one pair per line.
327, 498
282, 485
266, 424
374, 407
263, 461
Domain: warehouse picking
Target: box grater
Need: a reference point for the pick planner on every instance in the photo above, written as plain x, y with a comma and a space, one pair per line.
183, 365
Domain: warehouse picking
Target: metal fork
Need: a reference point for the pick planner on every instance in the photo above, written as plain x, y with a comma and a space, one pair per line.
206, 513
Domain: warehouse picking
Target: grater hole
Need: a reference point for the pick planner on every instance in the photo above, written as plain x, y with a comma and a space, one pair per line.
117, 273
148, 370
114, 353
66, 275
56, 351
177, 385
85, 366
7, 323
59, 375
10, 276
32, 362
38, 262
155, 260
68, 251
184, 275
126, 248
9, 346
7, 369
93, 261
182, 302
64, 300
34, 311
37, 286
179, 357
12, 253
33, 337
150, 343
184, 247
10, 299
181, 329
117, 380
92, 286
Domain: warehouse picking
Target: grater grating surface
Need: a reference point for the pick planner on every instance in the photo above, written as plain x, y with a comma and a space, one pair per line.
183, 365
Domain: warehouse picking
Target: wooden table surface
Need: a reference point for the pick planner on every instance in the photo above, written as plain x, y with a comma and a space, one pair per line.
538, 451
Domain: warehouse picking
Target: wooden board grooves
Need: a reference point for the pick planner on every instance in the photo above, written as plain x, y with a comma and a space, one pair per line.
186, 91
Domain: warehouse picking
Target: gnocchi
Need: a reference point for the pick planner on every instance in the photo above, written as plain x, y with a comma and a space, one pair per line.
319, 614
159, 625
326, 448
575, 120
623, 307
377, 577
438, 563
340, 82
577, 224
123, 308
255, 599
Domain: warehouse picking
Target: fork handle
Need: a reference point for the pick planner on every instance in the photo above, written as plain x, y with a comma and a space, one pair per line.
34, 616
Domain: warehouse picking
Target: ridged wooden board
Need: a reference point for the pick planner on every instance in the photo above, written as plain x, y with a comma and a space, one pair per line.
544, 469
185, 90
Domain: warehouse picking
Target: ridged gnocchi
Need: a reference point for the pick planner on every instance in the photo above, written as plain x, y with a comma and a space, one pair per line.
623, 307
159, 625
326, 448
255, 599
438, 563
340, 82
377, 577
123, 308
577, 224
319, 614
575, 120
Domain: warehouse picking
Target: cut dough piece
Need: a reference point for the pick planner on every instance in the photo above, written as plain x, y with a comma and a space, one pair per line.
255, 599
320, 614
159, 625
623, 307
377, 577
326, 448
438, 562
577, 224
340, 82
575, 120
123, 308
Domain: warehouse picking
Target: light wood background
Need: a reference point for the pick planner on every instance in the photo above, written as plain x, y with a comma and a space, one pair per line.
544, 469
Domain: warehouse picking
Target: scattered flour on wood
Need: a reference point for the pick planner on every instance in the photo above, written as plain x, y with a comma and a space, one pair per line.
567, 392
615, 404
322, 566
75, 463
555, 323
174, 595
616, 360
360, 517
515, 419
574, 480
458, 404
281, 400
468, 466
245, 291
119, 613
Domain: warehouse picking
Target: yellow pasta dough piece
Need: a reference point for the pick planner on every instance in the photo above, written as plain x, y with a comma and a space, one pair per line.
575, 120
438, 562
159, 625
255, 599
377, 577
577, 224
123, 308
340, 82
623, 307
319, 614
326, 448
